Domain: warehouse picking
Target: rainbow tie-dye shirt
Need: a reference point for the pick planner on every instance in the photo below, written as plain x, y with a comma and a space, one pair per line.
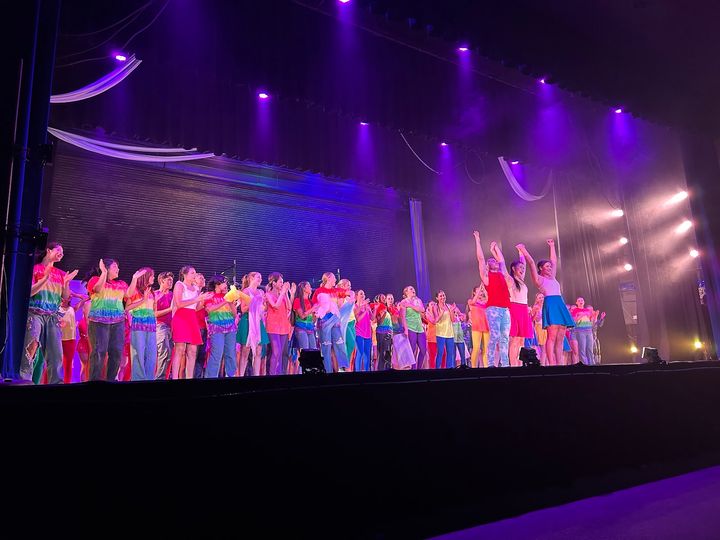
142, 318
583, 317
107, 306
47, 300
221, 320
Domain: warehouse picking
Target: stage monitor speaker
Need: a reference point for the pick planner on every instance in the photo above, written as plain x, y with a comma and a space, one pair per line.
311, 361
528, 357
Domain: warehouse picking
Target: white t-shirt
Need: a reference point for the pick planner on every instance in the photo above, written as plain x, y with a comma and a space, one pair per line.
518, 297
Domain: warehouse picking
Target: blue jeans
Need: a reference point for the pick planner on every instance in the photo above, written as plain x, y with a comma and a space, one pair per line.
221, 345
305, 339
143, 355
45, 330
363, 358
445, 344
164, 349
499, 323
584, 338
460, 346
331, 338
105, 339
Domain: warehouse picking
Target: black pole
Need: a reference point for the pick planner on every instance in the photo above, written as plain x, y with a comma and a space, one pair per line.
36, 30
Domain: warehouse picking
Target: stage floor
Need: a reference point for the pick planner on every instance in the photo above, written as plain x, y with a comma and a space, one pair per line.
357, 455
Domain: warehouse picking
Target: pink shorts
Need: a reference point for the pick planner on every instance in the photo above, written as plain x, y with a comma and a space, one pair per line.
520, 323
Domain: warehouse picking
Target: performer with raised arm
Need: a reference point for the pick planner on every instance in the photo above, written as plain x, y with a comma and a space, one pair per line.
413, 310
495, 278
49, 286
555, 315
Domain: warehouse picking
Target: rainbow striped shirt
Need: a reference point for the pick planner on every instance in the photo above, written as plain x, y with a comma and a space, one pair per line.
142, 318
47, 300
221, 320
107, 306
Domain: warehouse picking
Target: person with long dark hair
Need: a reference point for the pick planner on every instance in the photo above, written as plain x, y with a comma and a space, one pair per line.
441, 315
185, 327
383, 332
49, 286
520, 323
163, 329
221, 327
278, 300
304, 315
363, 332
495, 278
143, 341
555, 315
106, 318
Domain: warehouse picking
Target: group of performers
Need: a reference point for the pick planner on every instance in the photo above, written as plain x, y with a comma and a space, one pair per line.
189, 328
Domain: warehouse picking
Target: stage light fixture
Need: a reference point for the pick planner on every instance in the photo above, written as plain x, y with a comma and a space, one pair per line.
623, 240
651, 355
120, 57
679, 196
618, 110
515, 162
463, 49
694, 253
633, 349
364, 124
263, 95
528, 357
343, 1
683, 227
618, 212
443, 144
543, 81
698, 344
628, 267
311, 362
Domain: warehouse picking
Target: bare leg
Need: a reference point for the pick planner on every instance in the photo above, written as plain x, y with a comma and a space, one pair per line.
574, 351
560, 334
190, 354
514, 351
257, 360
178, 361
244, 356
550, 345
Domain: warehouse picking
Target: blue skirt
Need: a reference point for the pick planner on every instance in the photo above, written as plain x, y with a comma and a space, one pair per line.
555, 311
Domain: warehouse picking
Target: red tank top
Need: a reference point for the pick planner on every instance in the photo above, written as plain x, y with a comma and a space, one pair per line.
497, 290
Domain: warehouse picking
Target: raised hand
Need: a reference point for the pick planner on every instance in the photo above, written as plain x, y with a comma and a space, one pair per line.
520, 247
69, 276
101, 265
139, 274
476, 234
293, 288
550, 242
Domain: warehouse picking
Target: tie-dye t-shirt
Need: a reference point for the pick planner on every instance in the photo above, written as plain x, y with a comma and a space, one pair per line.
413, 320
582, 317
47, 300
142, 317
385, 326
307, 322
107, 306
220, 320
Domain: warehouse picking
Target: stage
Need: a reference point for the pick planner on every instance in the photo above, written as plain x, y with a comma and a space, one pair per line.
371, 455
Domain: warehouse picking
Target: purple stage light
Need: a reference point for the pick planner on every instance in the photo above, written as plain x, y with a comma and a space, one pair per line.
343, 1
515, 162
263, 95
443, 144
618, 110
543, 81
120, 57
463, 49
364, 124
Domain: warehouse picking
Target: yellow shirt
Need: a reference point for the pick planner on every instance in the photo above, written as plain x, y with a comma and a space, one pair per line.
444, 327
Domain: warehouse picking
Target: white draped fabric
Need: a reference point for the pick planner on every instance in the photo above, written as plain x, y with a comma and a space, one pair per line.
103, 84
518, 189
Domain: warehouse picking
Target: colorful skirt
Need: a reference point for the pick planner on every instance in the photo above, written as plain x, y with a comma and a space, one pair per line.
243, 329
555, 311
520, 323
185, 327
